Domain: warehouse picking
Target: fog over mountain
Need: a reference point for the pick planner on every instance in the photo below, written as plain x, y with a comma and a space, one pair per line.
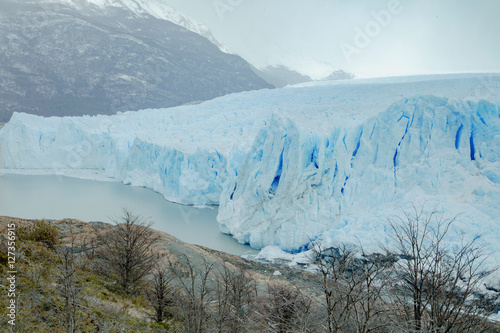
78, 57
369, 38
281, 76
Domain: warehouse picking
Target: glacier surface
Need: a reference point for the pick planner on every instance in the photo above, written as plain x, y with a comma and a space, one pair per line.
329, 160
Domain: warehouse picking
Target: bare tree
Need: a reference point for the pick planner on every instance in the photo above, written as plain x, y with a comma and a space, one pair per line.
339, 283
287, 309
370, 310
235, 297
352, 285
437, 283
125, 251
197, 293
160, 294
68, 266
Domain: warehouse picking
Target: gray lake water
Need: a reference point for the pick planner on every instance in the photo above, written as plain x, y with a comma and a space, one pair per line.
57, 197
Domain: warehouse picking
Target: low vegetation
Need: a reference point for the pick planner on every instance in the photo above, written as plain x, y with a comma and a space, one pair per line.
122, 279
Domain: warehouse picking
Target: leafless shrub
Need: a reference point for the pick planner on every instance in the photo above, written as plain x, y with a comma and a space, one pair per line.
436, 285
286, 309
196, 293
68, 297
125, 251
236, 293
352, 288
161, 294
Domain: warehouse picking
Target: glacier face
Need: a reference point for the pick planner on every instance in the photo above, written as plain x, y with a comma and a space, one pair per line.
421, 148
330, 160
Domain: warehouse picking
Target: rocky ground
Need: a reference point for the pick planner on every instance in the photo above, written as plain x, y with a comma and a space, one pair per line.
169, 247
107, 307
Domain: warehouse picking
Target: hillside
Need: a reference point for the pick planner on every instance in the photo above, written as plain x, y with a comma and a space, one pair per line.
72, 230
59, 279
100, 305
73, 58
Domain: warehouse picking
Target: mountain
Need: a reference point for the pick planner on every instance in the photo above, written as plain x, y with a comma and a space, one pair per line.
157, 9
74, 57
331, 160
281, 76
339, 75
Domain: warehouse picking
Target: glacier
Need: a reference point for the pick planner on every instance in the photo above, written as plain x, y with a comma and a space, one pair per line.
330, 160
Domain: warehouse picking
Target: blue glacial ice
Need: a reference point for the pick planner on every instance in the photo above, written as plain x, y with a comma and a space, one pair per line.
331, 160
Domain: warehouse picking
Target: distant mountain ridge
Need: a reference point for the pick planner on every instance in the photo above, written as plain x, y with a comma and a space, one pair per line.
156, 9
281, 76
74, 57
277, 75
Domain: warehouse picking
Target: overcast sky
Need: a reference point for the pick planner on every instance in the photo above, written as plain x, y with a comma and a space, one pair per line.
368, 38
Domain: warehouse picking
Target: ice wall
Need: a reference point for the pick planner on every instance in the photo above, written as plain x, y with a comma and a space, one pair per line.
139, 157
330, 160
295, 183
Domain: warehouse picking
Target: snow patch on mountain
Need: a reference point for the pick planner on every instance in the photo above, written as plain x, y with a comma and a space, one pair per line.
156, 9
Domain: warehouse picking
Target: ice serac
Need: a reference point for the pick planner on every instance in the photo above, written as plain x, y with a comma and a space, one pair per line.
297, 183
188, 176
181, 177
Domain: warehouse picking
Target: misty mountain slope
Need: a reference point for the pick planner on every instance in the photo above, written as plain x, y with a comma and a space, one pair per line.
157, 9
329, 160
58, 59
281, 76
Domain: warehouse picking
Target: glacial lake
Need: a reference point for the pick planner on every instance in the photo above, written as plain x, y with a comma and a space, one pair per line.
57, 197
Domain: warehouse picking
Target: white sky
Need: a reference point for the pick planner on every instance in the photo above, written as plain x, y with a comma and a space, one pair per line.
419, 37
